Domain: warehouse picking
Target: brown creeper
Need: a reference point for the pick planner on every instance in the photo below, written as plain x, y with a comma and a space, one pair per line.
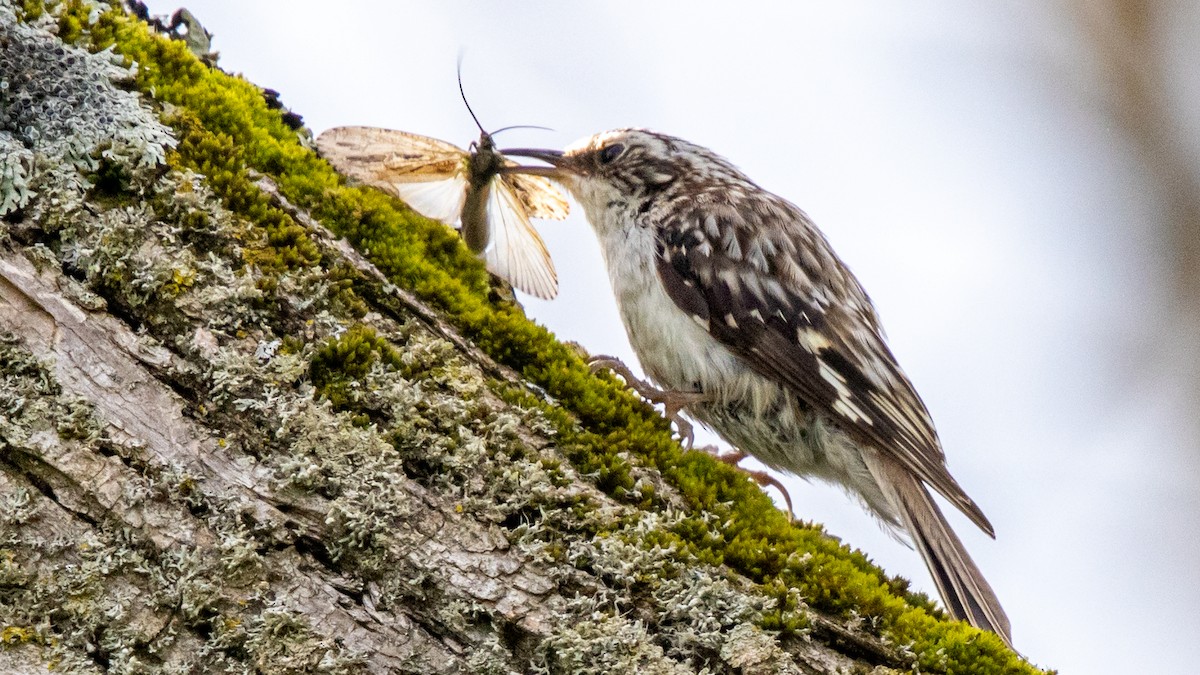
730, 294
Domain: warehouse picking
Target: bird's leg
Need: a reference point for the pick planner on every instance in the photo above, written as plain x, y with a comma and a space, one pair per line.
673, 402
761, 477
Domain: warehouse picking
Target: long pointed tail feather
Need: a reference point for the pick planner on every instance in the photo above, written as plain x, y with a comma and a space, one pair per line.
964, 591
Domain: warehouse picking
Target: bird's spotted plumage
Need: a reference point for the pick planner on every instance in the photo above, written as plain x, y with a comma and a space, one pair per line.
730, 290
751, 267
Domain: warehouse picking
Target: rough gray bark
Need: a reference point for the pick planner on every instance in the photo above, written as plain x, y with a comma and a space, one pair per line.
175, 496
100, 506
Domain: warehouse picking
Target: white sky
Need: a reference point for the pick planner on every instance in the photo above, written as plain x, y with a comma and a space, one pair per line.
959, 160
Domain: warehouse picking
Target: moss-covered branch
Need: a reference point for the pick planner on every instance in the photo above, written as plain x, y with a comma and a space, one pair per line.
322, 459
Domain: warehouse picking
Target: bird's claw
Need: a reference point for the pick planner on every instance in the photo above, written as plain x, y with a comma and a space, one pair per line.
761, 477
673, 402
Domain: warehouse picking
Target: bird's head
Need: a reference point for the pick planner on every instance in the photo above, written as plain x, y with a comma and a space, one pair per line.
627, 168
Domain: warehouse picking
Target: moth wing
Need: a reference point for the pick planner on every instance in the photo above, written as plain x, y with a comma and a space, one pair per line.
537, 194
438, 199
516, 252
387, 155
428, 174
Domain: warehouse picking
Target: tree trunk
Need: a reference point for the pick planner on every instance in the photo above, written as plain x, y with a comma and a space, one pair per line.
229, 442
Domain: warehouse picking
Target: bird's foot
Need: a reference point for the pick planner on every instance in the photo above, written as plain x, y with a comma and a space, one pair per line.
673, 402
761, 477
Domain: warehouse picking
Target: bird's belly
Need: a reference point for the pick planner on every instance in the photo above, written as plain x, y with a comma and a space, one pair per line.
790, 438
675, 350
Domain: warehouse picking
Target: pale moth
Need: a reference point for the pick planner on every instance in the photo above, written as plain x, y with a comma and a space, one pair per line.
462, 188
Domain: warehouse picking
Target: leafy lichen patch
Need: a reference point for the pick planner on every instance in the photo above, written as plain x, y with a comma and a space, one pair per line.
62, 116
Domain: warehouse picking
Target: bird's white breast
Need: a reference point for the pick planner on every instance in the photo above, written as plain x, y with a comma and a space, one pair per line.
675, 349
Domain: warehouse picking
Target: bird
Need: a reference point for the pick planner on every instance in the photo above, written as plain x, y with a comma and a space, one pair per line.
740, 311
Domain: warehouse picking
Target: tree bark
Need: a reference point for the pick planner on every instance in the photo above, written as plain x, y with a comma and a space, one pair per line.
214, 461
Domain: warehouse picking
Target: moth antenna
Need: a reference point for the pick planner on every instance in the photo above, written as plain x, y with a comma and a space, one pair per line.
521, 126
463, 94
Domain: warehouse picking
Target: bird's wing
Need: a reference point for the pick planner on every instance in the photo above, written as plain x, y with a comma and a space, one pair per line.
754, 269
428, 174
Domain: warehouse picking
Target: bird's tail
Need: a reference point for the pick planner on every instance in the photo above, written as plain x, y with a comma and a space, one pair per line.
964, 591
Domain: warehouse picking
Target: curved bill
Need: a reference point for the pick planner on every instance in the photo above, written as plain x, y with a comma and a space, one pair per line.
552, 157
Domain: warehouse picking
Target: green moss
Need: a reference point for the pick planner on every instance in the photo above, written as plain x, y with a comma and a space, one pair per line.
14, 635
219, 157
29, 10
111, 183
225, 128
345, 360
72, 22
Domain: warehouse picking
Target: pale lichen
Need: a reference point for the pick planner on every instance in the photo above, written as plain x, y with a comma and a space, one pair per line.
16, 164
62, 117
601, 640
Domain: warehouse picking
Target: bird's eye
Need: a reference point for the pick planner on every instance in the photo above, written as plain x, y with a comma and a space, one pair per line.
610, 153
